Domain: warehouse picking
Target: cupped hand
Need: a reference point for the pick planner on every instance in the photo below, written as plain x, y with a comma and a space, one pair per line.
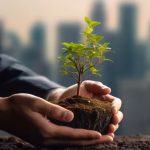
94, 89
28, 117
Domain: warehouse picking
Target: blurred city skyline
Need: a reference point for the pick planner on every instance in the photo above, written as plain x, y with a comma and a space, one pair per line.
19, 16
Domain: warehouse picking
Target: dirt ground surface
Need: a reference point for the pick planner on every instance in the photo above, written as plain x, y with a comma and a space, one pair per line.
137, 142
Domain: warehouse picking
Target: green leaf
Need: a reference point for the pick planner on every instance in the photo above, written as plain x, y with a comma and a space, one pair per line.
94, 23
88, 30
66, 44
106, 44
93, 70
91, 23
87, 20
98, 38
107, 59
65, 72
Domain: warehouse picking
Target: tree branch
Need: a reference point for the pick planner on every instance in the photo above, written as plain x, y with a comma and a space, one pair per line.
97, 61
75, 64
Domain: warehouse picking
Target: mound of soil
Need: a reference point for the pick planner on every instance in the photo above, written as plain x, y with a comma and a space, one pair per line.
137, 142
90, 114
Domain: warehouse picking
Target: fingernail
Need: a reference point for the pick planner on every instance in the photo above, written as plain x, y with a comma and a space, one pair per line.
114, 110
67, 116
99, 136
106, 88
96, 135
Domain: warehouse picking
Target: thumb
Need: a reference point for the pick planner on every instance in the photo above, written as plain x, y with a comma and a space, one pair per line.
96, 87
54, 111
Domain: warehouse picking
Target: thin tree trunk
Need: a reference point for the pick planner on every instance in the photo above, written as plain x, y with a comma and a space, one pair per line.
79, 83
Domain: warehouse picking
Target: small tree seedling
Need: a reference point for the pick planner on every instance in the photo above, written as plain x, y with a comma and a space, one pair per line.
84, 56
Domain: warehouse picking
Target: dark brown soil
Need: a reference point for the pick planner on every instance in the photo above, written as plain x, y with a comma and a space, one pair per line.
90, 114
138, 142
12, 143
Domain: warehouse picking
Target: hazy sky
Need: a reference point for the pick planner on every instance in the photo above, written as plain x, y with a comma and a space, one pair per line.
18, 15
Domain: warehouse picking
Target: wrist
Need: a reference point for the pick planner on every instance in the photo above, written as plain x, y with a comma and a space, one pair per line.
3, 109
1, 105
55, 94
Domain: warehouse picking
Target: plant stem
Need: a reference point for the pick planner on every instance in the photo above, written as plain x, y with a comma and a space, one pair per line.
79, 83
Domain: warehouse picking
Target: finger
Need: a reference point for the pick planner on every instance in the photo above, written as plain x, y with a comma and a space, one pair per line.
116, 102
51, 131
106, 138
54, 111
117, 118
68, 142
112, 128
39, 123
111, 134
96, 87
72, 133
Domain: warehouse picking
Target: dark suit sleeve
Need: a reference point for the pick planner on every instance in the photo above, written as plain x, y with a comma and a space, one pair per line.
16, 78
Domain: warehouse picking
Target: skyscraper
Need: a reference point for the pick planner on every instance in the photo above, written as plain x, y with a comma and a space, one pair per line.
98, 14
127, 40
135, 93
140, 62
67, 32
35, 52
148, 51
12, 44
1, 36
38, 39
108, 69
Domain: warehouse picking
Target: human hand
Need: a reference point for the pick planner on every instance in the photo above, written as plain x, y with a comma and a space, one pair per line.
27, 117
94, 89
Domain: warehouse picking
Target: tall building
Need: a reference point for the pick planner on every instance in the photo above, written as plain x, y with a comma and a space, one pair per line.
1, 36
140, 62
12, 45
127, 40
109, 74
38, 39
34, 54
67, 32
148, 51
135, 97
110, 68
98, 14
